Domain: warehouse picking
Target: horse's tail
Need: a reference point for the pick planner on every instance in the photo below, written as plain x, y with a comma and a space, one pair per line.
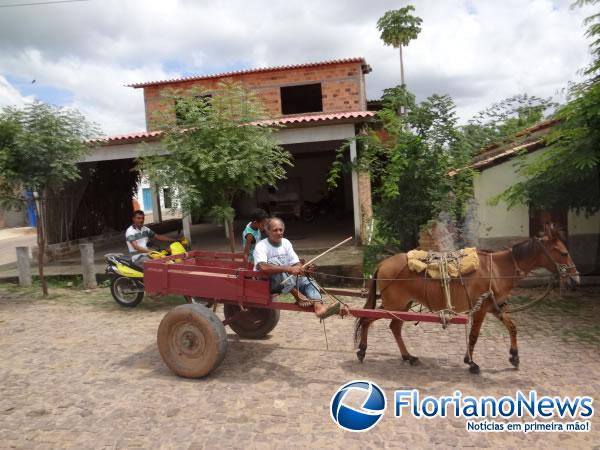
369, 304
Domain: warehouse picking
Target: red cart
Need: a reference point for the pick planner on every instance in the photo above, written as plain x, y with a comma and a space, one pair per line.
191, 338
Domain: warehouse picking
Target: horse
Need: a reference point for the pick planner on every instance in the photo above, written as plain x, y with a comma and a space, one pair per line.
477, 293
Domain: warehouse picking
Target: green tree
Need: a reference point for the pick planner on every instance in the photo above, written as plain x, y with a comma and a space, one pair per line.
40, 146
409, 157
398, 28
501, 121
567, 174
217, 150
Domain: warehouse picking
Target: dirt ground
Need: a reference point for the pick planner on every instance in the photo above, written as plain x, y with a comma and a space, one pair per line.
78, 371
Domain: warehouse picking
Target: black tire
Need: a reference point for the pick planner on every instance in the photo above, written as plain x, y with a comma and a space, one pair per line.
255, 323
119, 287
308, 213
191, 340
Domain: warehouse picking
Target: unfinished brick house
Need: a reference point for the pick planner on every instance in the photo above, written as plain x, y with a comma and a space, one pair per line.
319, 106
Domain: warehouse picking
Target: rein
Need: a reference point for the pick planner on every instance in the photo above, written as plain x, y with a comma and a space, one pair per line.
561, 269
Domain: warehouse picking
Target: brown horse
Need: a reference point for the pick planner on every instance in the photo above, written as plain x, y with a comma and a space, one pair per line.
478, 293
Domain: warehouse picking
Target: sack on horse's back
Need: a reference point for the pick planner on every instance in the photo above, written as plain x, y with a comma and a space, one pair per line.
460, 262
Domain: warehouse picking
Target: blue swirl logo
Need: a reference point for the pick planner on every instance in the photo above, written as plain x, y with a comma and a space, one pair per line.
370, 412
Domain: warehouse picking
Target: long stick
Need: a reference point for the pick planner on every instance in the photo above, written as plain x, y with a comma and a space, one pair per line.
318, 256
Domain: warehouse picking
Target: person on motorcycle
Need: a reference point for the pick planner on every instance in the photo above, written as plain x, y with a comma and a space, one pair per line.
253, 233
137, 236
276, 256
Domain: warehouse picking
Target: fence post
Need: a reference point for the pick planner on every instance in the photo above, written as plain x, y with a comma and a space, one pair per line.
24, 266
87, 266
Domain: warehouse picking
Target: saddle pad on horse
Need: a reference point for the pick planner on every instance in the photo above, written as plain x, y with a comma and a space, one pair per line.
459, 262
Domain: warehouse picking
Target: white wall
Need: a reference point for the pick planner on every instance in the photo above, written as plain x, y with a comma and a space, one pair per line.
580, 224
497, 221
500, 226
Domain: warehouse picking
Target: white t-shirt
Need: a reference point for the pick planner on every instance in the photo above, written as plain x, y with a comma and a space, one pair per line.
283, 255
140, 236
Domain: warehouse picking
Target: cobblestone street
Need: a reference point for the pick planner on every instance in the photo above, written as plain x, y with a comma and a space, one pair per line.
78, 371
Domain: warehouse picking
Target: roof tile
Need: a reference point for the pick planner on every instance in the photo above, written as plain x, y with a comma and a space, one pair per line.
366, 69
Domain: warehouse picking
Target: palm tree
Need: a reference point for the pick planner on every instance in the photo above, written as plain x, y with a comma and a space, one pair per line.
397, 29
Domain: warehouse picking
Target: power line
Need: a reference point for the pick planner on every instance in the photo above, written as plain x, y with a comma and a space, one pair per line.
16, 5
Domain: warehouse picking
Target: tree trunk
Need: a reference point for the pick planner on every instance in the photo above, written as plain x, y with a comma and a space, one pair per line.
41, 241
231, 236
401, 67
401, 110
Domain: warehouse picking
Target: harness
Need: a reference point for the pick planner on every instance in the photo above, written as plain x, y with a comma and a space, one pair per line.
562, 269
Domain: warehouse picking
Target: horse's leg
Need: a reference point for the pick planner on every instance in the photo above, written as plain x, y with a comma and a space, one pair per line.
363, 328
473, 335
396, 327
512, 331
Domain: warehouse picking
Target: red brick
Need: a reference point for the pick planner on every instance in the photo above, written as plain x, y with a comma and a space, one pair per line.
340, 84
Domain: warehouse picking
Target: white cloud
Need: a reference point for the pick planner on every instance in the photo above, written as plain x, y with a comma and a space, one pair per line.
9, 96
478, 51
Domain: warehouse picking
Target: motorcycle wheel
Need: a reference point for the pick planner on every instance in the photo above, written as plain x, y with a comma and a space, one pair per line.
126, 291
307, 214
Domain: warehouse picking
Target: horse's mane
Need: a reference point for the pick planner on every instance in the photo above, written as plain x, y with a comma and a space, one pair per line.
522, 249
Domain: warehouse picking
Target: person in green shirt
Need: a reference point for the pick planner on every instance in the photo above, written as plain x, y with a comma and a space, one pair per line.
253, 233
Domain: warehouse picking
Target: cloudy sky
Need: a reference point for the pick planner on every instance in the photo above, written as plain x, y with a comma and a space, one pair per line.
81, 54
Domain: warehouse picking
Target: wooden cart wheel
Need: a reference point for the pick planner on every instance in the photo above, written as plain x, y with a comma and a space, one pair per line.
254, 323
192, 340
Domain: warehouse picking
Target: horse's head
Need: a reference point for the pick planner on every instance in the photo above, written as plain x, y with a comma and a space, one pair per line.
555, 256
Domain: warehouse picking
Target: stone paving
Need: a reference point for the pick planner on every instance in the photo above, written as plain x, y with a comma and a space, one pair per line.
77, 371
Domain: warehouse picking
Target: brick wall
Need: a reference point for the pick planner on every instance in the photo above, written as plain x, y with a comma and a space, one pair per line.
342, 88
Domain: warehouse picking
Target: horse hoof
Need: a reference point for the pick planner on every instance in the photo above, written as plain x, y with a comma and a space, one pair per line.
467, 360
474, 368
514, 357
412, 360
361, 355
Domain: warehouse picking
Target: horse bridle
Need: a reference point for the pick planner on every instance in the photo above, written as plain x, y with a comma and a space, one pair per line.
562, 269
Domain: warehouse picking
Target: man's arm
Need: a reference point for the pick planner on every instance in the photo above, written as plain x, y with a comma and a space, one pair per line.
162, 237
247, 245
295, 269
139, 248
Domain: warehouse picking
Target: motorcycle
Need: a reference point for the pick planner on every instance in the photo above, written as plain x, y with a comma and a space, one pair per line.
326, 205
127, 276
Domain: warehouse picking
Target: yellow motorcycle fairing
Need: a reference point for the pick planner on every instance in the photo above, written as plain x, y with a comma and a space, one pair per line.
177, 248
128, 272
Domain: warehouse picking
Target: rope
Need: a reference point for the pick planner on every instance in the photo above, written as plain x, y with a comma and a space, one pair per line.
445, 280
496, 277
533, 302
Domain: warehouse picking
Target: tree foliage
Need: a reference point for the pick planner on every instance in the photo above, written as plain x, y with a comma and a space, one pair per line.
567, 173
399, 27
409, 157
40, 146
217, 150
501, 121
